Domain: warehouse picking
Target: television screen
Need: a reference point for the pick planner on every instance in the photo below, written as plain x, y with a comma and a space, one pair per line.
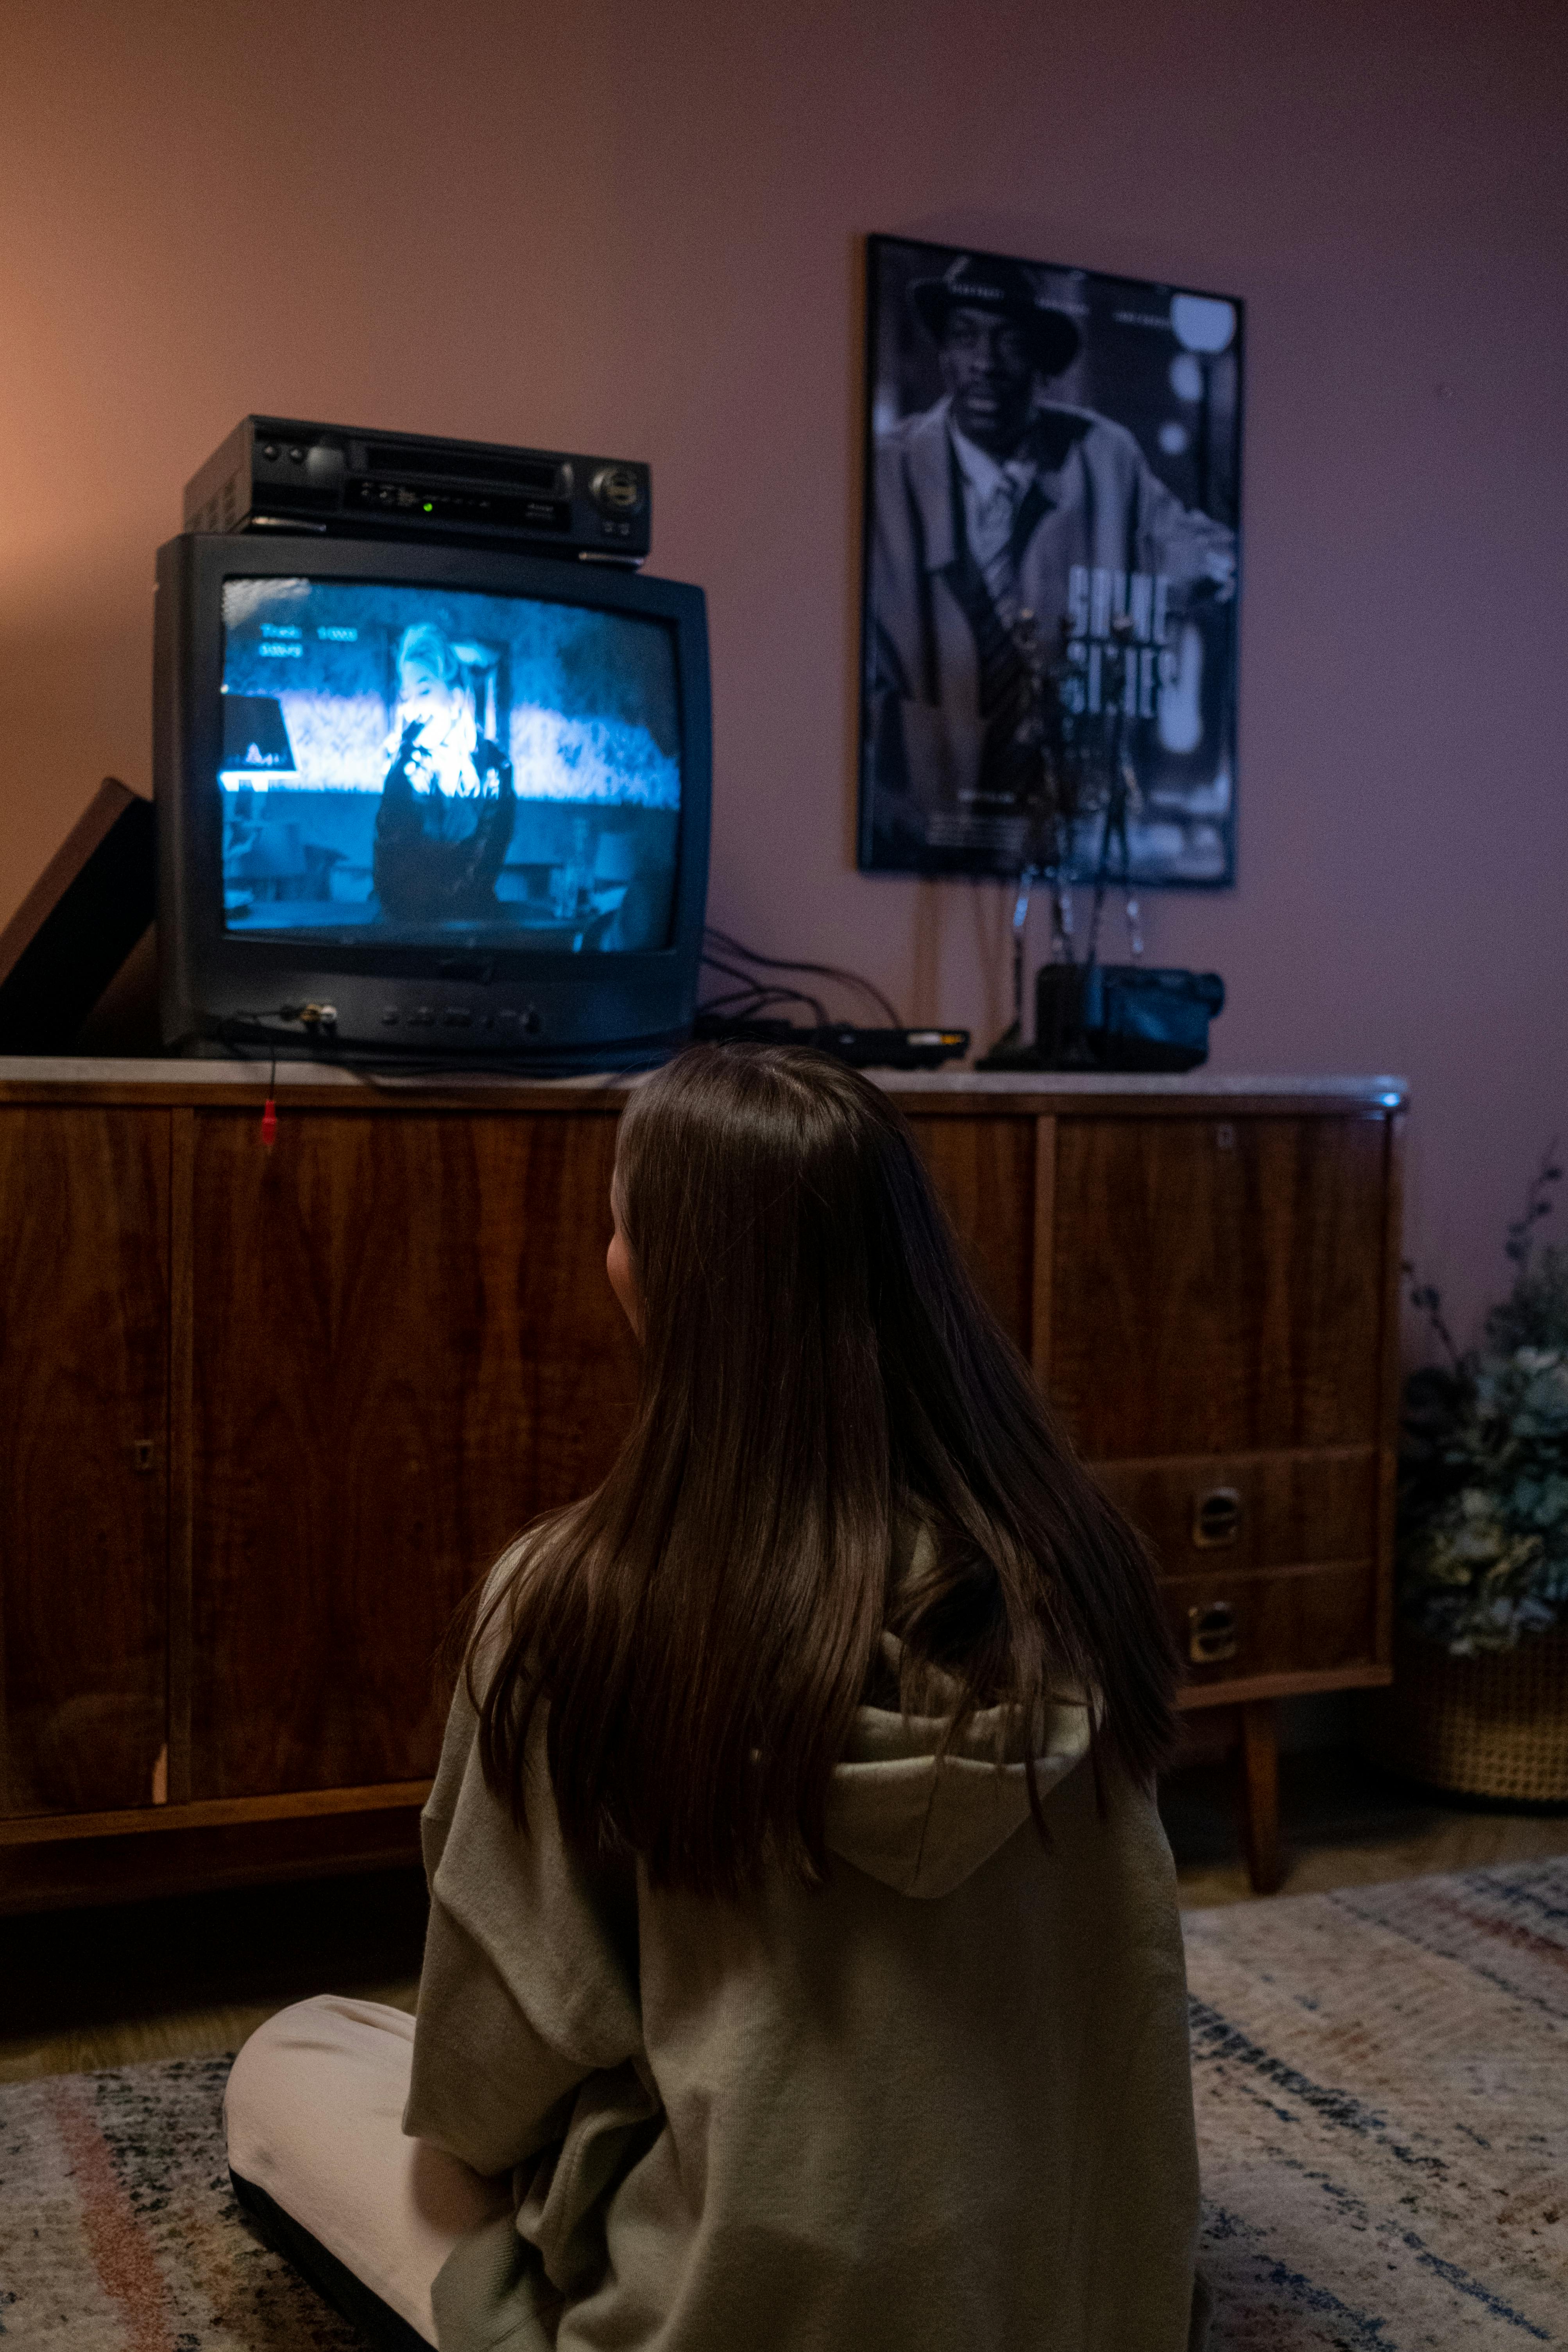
409, 765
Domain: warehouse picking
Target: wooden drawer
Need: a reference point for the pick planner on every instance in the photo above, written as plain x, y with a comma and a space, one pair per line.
1233, 1512
1283, 1621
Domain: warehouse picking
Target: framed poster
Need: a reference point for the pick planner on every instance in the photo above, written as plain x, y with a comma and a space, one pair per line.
1052, 517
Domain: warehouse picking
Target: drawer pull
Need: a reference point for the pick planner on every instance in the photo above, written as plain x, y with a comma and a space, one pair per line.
1216, 1518
1211, 1633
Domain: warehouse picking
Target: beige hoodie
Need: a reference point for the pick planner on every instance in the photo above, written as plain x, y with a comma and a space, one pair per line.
940, 2104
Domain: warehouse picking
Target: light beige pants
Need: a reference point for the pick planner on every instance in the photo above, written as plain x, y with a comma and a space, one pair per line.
314, 2112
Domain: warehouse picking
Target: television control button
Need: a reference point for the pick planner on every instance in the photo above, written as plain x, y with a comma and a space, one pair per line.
389, 1017
458, 1016
531, 1022
296, 456
423, 1018
615, 488
269, 450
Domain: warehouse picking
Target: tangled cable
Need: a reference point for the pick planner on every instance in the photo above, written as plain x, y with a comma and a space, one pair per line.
724, 953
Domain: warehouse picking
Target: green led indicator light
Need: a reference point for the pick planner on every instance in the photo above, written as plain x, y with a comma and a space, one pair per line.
429, 508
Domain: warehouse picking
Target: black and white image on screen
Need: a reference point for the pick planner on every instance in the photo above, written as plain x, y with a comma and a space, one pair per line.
407, 765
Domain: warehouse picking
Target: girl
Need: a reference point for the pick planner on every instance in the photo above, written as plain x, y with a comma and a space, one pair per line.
804, 1968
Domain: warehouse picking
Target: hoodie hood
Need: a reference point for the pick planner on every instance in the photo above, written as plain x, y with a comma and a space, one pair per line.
922, 1824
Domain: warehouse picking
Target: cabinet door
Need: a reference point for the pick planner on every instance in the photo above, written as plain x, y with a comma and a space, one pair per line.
84, 1404
984, 1169
405, 1347
1217, 1284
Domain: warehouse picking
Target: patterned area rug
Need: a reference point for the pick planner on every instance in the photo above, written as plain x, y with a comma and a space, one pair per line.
1381, 2087
119, 2232
1382, 2083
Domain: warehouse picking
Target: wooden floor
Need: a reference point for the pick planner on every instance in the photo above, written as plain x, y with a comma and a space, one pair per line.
194, 1976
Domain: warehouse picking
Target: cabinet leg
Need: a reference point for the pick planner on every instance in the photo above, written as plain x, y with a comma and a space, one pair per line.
1259, 1762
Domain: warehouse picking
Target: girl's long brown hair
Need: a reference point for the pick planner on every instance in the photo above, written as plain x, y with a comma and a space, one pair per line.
818, 1371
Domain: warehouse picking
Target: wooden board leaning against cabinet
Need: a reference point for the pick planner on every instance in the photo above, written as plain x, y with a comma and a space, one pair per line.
274, 1411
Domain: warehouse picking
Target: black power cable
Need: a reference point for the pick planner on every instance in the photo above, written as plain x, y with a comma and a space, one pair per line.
734, 946
760, 988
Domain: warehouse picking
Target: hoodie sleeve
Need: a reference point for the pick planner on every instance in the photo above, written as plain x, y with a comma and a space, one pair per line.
529, 1984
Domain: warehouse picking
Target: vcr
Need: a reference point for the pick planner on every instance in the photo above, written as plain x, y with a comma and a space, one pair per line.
277, 473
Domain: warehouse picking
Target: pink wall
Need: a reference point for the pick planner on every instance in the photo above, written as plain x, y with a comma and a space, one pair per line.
635, 228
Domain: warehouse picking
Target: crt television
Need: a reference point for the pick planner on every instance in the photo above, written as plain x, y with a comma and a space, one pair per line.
427, 803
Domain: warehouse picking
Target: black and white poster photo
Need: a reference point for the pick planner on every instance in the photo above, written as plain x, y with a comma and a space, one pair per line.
1052, 514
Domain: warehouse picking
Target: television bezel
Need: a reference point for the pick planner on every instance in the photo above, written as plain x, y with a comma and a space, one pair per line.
221, 989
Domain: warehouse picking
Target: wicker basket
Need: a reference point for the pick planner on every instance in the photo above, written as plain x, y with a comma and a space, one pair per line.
1492, 1726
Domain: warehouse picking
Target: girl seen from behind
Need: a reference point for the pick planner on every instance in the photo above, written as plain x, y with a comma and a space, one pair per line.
804, 1966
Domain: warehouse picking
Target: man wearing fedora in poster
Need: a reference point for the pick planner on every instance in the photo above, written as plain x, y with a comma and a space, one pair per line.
992, 505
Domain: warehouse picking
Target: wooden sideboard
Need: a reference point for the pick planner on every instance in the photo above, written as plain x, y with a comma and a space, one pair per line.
270, 1411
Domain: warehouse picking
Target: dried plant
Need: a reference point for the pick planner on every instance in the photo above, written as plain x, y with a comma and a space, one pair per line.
1483, 1502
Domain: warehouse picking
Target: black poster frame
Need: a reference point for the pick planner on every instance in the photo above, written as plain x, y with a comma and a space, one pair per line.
1151, 421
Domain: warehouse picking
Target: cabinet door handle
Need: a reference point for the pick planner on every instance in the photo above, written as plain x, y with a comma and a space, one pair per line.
1212, 1636
1216, 1518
